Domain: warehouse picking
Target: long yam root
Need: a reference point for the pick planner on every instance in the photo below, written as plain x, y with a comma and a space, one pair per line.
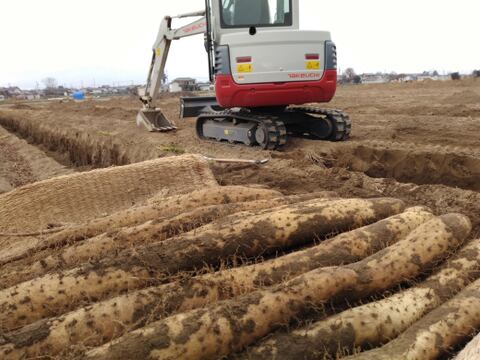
436, 333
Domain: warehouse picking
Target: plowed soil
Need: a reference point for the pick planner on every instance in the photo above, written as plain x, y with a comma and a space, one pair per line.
423, 134
88, 257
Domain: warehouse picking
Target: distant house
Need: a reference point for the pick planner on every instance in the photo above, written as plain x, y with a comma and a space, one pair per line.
11, 91
55, 91
14, 91
32, 97
374, 78
2, 98
174, 87
183, 84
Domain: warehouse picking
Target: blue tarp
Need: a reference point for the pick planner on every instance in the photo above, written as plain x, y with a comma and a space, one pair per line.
79, 95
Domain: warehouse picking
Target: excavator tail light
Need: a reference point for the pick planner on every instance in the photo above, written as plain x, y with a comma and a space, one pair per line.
312, 56
244, 59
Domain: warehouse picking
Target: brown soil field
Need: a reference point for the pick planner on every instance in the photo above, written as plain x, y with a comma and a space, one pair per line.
425, 135
117, 243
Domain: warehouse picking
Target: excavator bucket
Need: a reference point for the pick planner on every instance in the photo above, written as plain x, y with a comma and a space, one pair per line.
155, 121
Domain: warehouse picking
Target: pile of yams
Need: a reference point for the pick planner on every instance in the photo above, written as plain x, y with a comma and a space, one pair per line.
245, 272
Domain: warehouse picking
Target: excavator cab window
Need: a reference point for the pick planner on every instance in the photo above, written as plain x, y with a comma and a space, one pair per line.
257, 13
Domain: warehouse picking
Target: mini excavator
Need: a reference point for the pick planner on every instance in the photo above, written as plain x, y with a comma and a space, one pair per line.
264, 70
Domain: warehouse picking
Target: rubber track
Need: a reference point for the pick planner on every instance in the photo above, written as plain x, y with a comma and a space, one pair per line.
277, 132
341, 122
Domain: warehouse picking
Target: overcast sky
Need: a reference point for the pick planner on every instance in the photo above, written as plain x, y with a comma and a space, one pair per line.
109, 41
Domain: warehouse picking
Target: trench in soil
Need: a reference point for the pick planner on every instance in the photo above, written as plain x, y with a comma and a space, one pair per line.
409, 164
22, 163
73, 149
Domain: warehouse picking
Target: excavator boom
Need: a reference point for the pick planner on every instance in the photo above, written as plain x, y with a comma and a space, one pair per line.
150, 116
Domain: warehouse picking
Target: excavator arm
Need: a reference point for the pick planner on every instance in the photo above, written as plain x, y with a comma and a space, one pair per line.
150, 116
